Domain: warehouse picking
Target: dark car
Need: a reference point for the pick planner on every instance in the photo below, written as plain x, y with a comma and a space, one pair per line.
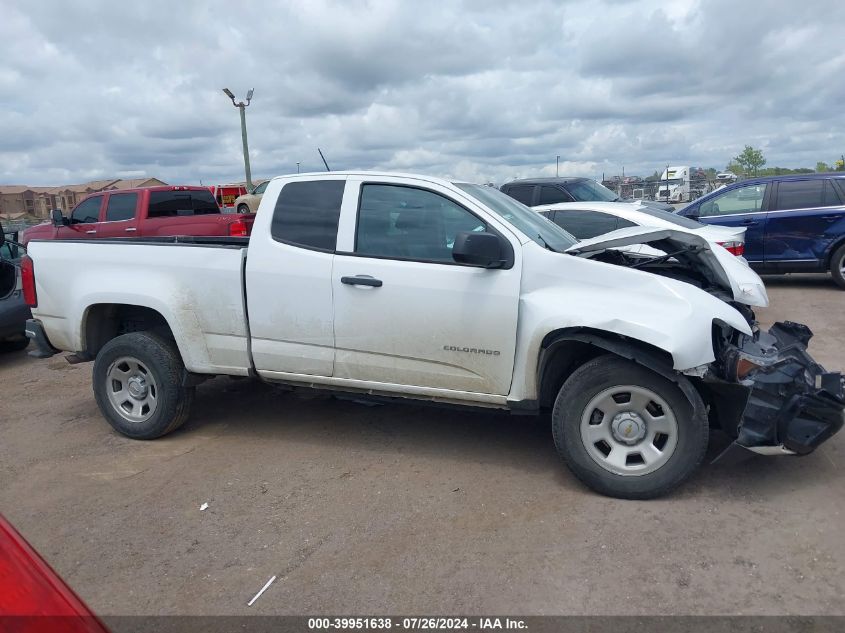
794, 224
13, 309
534, 192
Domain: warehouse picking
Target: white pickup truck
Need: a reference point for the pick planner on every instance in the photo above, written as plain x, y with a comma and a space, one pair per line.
392, 285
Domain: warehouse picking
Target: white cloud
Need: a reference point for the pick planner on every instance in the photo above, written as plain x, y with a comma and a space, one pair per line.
481, 90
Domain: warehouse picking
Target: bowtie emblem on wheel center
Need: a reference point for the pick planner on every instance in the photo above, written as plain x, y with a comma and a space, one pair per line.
137, 387
628, 427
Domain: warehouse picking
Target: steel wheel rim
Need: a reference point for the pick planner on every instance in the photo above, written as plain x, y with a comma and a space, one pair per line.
629, 430
132, 390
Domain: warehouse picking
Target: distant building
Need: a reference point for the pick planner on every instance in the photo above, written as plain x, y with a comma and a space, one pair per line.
38, 202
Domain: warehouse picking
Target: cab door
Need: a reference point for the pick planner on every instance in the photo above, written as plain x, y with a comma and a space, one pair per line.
120, 218
289, 278
84, 220
405, 313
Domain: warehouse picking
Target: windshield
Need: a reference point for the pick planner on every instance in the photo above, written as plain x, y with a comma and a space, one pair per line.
541, 230
590, 191
680, 220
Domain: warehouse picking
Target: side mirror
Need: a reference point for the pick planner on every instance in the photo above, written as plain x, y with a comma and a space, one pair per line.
486, 250
57, 218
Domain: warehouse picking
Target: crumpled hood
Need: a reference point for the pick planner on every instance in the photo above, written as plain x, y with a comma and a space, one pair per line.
723, 269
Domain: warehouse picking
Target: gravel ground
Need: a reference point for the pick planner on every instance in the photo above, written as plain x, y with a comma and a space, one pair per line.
405, 509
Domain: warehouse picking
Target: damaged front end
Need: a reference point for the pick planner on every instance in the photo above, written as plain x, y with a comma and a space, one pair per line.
770, 394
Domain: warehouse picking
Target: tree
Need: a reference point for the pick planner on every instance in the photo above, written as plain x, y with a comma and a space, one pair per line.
734, 168
822, 167
750, 159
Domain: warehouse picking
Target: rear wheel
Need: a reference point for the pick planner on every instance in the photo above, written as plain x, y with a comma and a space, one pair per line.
242, 208
138, 385
626, 431
837, 266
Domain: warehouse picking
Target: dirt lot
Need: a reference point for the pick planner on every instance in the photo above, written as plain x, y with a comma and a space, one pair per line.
402, 509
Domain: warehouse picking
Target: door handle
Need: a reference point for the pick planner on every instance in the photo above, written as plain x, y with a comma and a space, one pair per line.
361, 280
749, 222
91, 232
129, 230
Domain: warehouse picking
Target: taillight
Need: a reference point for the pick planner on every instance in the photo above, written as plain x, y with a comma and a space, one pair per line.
28, 282
32, 596
735, 248
239, 228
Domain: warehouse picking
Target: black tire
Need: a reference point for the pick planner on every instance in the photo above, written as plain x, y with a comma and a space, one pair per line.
837, 264
242, 208
160, 358
598, 376
14, 345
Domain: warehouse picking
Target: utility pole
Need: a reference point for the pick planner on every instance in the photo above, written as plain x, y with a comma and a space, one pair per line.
297, 167
240, 105
557, 166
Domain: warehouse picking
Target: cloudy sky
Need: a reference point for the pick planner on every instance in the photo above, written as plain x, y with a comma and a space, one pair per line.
483, 90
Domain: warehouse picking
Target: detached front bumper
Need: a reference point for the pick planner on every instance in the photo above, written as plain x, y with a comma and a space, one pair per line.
793, 404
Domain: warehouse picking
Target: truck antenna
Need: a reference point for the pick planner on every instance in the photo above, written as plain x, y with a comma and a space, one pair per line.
324, 159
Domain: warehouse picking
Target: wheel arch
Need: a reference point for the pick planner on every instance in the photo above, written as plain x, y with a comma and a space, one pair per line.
102, 322
563, 351
828, 256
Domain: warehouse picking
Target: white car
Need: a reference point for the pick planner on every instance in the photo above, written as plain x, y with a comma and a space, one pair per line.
586, 220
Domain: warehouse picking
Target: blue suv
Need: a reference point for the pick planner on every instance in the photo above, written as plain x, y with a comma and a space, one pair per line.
794, 224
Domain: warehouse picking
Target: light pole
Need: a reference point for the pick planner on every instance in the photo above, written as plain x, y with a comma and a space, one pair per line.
297, 167
557, 166
240, 105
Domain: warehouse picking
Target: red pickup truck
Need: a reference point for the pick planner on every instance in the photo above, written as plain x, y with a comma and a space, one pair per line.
146, 212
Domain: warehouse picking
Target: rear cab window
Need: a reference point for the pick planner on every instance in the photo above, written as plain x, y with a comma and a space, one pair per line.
170, 204
307, 213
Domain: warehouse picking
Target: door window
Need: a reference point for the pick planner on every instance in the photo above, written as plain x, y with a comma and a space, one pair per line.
800, 194
552, 195
523, 193
307, 213
121, 207
831, 196
259, 190
585, 224
408, 223
747, 199
87, 212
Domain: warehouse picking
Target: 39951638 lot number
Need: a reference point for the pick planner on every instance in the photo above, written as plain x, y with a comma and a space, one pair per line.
415, 623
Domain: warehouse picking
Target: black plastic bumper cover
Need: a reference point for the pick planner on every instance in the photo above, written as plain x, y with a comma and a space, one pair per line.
35, 331
792, 400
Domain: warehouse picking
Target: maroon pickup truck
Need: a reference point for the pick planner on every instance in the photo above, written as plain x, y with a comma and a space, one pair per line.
147, 212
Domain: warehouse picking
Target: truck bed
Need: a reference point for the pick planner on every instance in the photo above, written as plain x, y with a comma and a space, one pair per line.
196, 283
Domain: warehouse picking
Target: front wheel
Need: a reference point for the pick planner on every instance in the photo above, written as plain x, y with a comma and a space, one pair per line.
138, 385
243, 208
626, 431
837, 266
